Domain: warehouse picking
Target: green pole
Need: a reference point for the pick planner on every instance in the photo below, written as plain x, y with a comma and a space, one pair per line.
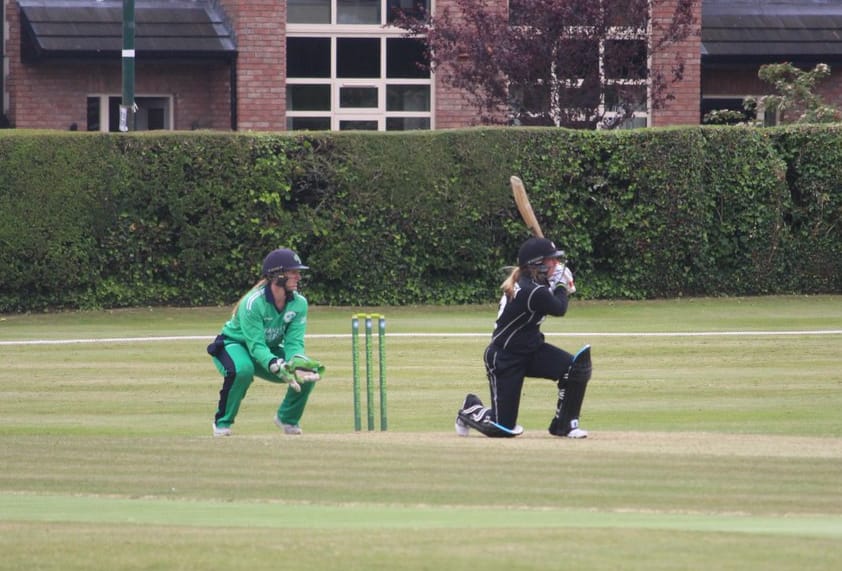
369, 373
355, 367
127, 107
381, 345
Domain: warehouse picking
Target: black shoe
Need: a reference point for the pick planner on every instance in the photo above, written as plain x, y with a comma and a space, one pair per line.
471, 402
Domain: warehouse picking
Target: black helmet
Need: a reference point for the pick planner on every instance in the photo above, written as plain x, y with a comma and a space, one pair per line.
534, 250
280, 260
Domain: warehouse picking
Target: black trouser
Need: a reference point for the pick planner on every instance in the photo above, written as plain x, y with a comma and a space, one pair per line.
506, 372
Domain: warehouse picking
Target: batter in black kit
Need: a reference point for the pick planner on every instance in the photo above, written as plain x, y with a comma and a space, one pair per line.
539, 286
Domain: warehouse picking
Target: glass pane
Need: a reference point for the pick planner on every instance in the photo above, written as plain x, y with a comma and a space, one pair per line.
358, 11
583, 97
358, 125
93, 113
308, 11
358, 57
152, 113
308, 123
625, 59
626, 13
633, 123
630, 96
414, 8
308, 97
114, 114
308, 57
578, 59
357, 97
407, 123
530, 97
405, 58
407, 98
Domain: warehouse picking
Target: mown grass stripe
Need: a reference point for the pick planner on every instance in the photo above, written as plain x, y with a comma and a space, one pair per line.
154, 511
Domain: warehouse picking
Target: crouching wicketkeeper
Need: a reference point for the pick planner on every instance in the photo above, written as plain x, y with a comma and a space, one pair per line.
265, 338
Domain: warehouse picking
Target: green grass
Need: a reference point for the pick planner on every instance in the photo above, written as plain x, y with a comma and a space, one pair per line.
718, 451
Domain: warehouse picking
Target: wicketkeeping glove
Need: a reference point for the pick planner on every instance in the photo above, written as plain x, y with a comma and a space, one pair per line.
280, 368
562, 276
305, 369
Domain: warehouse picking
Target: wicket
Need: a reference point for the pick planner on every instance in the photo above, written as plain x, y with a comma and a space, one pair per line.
369, 368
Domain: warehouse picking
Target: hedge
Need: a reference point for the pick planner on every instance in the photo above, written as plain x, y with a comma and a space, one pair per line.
115, 220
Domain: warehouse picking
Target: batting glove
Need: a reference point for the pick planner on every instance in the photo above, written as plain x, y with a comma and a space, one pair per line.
562, 276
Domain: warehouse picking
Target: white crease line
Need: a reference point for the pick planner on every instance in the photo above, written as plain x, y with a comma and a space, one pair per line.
346, 335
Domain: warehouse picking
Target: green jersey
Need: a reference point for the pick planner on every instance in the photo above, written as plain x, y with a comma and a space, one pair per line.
266, 332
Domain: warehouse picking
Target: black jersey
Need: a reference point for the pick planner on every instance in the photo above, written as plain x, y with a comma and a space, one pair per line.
517, 329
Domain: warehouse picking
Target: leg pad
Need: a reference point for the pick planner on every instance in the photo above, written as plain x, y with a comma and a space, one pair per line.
571, 393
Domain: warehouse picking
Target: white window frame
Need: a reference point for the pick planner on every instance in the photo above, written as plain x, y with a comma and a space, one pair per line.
614, 33
382, 32
630, 34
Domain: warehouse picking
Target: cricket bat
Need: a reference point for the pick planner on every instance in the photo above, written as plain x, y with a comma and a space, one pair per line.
524, 207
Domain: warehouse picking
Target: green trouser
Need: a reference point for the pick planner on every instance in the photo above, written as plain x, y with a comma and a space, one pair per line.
238, 370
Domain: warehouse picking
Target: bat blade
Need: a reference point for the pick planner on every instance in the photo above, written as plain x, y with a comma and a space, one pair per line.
524, 207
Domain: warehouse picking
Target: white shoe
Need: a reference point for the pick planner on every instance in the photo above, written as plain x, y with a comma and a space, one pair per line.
292, 429
577, 433
219, 431
462, 429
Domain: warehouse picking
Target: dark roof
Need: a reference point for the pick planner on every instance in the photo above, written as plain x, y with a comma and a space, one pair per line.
771, 30
91, 28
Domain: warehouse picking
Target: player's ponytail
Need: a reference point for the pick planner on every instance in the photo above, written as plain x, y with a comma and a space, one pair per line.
260, 282
508, 285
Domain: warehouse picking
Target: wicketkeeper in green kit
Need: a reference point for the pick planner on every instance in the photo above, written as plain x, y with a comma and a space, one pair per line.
265, 338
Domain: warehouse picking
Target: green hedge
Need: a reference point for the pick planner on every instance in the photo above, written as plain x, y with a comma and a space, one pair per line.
98, 220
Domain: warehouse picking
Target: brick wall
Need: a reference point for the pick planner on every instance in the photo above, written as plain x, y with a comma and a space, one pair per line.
452, 110
741, 81
52, 94
683, 108
736, 81
259, 27
12, 52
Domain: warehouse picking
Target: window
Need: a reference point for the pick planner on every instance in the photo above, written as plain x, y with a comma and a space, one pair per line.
153, 113
359, 12
309, 11
347, 68
599, 73
730, 110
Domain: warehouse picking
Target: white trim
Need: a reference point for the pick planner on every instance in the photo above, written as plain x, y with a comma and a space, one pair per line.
383, 34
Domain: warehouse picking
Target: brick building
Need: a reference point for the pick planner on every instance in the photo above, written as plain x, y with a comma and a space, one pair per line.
738, 36
266, 65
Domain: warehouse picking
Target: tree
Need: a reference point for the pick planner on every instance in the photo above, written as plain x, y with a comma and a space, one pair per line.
570, 63
796, 93
794, 99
